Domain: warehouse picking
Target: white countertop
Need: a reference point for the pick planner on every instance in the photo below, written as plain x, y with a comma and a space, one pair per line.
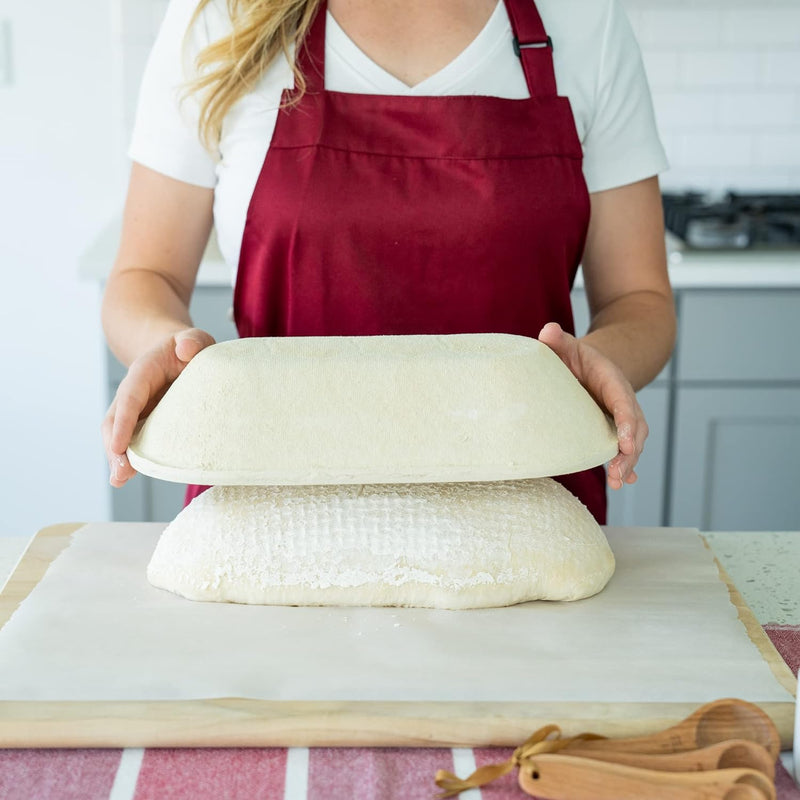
688, 269
745, 269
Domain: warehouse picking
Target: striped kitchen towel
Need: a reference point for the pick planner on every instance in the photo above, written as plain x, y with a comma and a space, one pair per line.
277, 773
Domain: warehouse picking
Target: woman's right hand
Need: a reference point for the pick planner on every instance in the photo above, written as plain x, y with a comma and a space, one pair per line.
148, 378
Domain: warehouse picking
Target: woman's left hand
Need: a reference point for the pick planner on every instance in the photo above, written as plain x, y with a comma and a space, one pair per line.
605, 381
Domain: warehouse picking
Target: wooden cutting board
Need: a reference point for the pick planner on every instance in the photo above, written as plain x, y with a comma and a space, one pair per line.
253, 722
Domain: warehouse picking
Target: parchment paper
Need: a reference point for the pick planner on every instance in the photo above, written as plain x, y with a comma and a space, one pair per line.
662, 631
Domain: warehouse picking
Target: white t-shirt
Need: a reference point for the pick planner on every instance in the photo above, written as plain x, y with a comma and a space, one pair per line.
597, 64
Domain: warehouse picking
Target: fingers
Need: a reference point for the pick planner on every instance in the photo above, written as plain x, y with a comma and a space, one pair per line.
563, 345
609, 387
632, 431
132, 398
119, 467
190, 342
121, 470
145, 383
551, 334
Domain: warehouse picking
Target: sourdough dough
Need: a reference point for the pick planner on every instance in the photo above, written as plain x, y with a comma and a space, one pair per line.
373, 409
456, 545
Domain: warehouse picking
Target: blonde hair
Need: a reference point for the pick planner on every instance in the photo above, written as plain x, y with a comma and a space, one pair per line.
231, 66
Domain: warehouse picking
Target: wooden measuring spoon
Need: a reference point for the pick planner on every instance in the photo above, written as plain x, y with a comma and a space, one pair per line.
741, 791
555, 776
729, 754
712, 723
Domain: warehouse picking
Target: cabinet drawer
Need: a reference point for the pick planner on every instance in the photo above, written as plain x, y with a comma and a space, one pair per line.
739, 335
736, 459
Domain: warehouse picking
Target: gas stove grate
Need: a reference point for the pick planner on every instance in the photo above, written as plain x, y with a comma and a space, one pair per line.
735, 221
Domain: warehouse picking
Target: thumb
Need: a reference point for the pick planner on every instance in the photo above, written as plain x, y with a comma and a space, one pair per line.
552, 335
190, 342
562, 344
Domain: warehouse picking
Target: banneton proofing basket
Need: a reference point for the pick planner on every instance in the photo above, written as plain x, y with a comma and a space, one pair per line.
373, 409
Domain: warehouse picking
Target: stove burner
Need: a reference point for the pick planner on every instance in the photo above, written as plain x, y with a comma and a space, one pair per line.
736, 221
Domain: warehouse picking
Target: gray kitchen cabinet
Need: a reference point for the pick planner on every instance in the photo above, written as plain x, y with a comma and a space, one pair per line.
739, 335
145, 499
641, 503
735, 462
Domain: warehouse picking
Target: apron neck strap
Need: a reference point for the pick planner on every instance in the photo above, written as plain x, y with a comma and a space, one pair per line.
310, 55
533, 47
531, 43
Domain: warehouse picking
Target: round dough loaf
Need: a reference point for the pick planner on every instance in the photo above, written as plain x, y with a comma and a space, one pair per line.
454, 545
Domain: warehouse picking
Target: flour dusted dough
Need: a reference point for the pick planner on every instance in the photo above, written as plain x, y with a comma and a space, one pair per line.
373, 409
457, 545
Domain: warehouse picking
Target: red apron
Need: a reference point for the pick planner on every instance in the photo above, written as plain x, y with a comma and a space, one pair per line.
382, 214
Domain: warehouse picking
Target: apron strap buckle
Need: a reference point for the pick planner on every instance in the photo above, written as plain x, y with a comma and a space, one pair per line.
540, 45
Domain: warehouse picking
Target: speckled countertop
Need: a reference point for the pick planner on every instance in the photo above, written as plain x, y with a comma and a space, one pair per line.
765, 567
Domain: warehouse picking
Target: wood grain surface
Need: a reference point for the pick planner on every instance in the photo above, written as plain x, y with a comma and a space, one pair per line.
42, 550
238, 722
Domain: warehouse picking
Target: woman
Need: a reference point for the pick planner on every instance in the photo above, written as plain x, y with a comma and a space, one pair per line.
433, 168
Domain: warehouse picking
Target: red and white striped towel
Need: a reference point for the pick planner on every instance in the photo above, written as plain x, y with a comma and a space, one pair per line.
277, 773
253, 774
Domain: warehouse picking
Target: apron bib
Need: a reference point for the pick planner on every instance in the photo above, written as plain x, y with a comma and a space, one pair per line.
379, 214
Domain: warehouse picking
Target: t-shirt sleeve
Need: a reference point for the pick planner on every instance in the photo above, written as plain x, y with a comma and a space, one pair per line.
165, 136
622, 144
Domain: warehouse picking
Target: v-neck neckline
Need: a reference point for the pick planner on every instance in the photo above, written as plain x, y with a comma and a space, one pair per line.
440, 81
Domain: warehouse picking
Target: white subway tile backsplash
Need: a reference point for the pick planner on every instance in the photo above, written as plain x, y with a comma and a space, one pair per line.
685, 110
716, 149
777, 149
757, 24
672, 142
737, 68
793, 179
680, 26
756, 179
754, 110
781, 67
662, 68
680, 178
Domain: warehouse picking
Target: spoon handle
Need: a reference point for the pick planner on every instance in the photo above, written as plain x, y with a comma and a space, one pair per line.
563, 777
741, 791
677, 739
731, 753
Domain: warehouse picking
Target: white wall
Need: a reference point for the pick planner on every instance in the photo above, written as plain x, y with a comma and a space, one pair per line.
61, 178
